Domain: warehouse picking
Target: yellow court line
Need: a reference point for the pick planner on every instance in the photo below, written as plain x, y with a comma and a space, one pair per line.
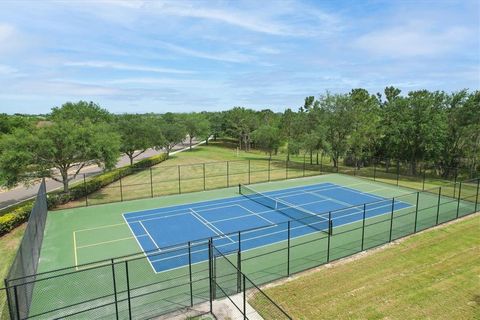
75, 248
105, 242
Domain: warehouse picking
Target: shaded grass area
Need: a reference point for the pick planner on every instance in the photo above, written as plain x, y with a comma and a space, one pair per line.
431, 275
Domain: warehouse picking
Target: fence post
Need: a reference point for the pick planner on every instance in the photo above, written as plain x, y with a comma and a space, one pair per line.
288, 248
304, 165
374, 169
244, 298
128, 291
330, 231
476, 196
17, 308
424, 173
398, 171
210, 276
321, 162
438, 204
416, 214
190, 271
151, 182
391, 218
115, 289
228, 174
7, 291
121, 189
269, 160
204, 184
455, 183
286, 169
179, 183
459, 196
363, 223
239, 264
86, 190
249, 171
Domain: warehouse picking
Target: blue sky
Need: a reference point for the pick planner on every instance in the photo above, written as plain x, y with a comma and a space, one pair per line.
159, 56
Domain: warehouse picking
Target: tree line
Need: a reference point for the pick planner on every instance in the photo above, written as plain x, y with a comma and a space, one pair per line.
422, 126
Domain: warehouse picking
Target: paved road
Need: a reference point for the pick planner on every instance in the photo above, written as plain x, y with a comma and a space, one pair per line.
13, 196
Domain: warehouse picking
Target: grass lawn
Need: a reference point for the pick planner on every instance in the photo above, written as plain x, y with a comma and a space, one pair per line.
432, 275
8, 248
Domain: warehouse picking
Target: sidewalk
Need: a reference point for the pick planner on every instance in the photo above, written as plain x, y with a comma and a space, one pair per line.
21, 193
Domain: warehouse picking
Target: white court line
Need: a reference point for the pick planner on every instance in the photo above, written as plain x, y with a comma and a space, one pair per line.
109, 241
151, 238
139, 244
256, 214
331, 199
362, 193
214, 205
102, 227
209, 225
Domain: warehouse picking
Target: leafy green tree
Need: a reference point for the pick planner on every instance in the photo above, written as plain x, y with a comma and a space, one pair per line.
267, 138
137, 134
63, 147
173, 132
80, 111
196, 125
240, 123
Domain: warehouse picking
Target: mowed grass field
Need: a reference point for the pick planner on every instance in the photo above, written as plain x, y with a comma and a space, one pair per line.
431, 275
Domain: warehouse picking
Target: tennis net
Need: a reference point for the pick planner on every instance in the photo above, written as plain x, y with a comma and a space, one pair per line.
296, 213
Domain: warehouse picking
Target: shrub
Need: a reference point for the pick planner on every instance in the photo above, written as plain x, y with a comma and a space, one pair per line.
16, 215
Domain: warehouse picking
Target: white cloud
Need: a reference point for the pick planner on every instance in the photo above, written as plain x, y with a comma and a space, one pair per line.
7, 70
412, 40
123, 66
223, 56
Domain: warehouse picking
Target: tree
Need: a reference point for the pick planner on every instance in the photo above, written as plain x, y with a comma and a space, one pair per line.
267, 138
196, 125
173, 132
137, 134
63, 147
80, 111
240, 123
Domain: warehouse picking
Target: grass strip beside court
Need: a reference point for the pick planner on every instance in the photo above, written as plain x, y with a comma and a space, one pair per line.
430, 275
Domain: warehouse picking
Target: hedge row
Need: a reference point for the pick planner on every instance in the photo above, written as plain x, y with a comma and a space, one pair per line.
18, 214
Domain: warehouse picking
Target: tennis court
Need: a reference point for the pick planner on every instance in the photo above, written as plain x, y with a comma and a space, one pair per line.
260, 216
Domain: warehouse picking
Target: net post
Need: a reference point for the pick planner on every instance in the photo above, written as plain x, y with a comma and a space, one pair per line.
438, 203
228, 174
121, 188
374, 169
151, 182
128, 291
249, 173
416, 214
85, 190
179, 180
114, 288
210, 275
288, 248
459, 197
363, 224
398, 171
391, 219
190, 271
330, 232
204, 178
476, 196
269, 166
239, 188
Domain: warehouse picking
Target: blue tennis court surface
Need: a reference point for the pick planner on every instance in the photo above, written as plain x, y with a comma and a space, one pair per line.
157, 229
